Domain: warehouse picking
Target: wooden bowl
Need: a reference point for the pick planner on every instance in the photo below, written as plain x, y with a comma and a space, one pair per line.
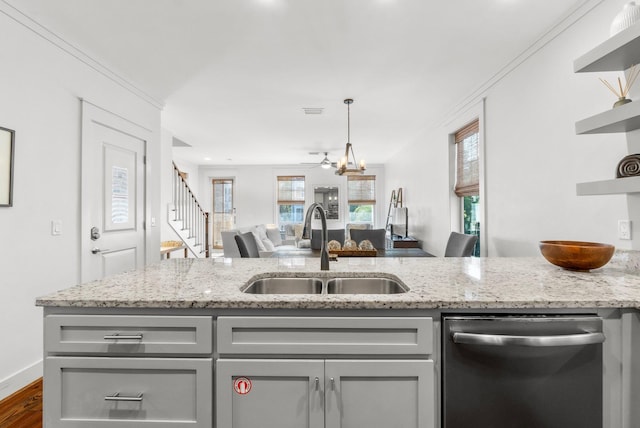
577, 255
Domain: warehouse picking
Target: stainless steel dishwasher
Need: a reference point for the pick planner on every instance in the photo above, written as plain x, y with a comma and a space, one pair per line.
529, 371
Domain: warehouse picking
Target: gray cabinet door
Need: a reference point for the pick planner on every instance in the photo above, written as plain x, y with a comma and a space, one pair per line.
379, 394
270, 393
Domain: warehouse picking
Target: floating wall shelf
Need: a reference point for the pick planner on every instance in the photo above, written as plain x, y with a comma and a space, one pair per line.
620, 119
609, 187
617, 53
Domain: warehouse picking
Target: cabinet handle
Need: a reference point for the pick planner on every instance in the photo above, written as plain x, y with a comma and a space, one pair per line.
317, 383
117, 336
333, 384
118, 397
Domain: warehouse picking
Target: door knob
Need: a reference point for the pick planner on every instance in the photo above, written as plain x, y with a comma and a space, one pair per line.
96, 250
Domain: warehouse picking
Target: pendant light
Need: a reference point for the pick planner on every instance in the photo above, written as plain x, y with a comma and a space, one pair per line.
348, 164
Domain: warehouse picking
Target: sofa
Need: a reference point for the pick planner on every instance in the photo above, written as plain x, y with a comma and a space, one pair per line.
267, 238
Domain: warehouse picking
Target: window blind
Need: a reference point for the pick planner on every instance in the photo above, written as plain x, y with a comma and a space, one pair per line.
291, 189
467, 160
361, 189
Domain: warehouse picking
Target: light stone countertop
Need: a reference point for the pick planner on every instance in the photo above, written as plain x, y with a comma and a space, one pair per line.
433, 282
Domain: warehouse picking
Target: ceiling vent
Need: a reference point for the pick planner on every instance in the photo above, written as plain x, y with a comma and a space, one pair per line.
313, 110
179, 143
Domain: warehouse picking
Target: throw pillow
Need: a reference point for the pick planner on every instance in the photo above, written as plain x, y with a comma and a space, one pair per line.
304, 243
261, 230
259, 243
274, 236
268, 245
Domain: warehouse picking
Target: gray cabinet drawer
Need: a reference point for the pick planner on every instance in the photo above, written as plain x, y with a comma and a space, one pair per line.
325, 335
128, 335
127, 392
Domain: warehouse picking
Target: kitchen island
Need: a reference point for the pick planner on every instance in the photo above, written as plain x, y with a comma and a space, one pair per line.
170, 326
491, 283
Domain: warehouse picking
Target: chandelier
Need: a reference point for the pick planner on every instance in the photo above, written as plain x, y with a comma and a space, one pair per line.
348, 164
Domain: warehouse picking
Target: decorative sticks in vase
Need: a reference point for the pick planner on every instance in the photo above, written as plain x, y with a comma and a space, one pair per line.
621, 92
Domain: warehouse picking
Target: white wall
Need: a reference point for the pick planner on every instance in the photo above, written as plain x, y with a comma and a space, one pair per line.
533, 158
255, 190
41, 87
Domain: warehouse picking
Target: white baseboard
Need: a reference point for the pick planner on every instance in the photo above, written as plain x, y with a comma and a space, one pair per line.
19, 380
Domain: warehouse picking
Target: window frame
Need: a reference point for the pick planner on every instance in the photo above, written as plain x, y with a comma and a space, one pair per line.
291, 201
474, 113
360, 201
215, 214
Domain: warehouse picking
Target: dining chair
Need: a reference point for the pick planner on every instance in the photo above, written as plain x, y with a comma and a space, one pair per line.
247, 245
460, 245
376, 236
333, 234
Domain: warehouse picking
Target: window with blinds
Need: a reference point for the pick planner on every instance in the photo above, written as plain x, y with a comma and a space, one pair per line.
361, 189
467, 160
467, 186
290, 200
290, 189
361, 197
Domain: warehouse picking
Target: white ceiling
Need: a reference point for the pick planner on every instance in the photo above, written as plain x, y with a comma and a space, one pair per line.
234, 75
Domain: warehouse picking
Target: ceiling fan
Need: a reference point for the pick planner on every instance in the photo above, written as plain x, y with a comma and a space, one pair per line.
324, 163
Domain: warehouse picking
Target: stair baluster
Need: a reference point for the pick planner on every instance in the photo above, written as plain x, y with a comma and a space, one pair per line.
194, 220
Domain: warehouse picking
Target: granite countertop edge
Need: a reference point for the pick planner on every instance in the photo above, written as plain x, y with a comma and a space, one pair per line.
434, 283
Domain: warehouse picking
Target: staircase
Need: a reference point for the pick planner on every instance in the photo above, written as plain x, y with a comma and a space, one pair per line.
187, 218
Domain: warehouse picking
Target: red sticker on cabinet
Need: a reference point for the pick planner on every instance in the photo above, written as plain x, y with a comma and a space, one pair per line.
242, 385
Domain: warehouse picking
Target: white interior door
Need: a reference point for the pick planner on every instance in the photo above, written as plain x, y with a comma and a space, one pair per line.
113, 194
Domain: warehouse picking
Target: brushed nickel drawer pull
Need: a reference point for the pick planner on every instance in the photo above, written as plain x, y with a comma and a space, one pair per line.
123, 336
118, 397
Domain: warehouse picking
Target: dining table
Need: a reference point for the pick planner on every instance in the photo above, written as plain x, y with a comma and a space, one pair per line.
386, 252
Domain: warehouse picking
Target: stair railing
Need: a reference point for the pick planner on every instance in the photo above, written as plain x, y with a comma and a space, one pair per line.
188, 210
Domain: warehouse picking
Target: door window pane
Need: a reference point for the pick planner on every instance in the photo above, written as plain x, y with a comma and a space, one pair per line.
119, 195
223, 214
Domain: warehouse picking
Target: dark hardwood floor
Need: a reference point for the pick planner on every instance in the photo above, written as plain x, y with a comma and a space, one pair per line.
24, 408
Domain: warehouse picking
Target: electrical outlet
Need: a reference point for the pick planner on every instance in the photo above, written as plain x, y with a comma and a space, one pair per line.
624, 229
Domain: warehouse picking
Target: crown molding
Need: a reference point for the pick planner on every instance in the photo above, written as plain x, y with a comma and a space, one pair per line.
572, 16
76, 53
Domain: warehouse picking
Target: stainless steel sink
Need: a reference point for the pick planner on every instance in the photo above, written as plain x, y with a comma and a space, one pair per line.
313, 285
285, 286
364, 286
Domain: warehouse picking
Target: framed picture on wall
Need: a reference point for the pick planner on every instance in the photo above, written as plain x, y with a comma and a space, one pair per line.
7, 137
